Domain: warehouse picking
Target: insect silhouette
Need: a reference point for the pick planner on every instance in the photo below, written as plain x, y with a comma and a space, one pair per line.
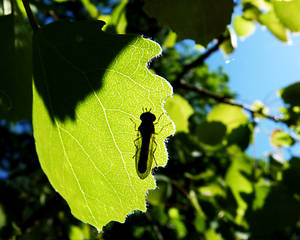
145, 144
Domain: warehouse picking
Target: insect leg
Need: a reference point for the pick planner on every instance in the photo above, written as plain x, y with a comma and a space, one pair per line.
159, 118
134, 124
154, 152
162, 129
136, 146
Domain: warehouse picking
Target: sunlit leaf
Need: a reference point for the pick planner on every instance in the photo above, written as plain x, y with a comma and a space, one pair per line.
230, 116
251, 13
212, 190
199, 223
260, 109
170, 40
271, 21
289, 13
212, 235
79, 233
82, 116
261, 192
199, 20
177, 223
281, 138
243, 27
230, 44
179, 110
194, 200
237, 181
90, 7
116, 22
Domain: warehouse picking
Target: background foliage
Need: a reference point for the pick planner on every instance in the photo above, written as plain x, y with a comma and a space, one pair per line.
211, 188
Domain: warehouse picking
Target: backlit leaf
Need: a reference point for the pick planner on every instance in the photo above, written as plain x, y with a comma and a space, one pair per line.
82, 114
230, 116
289, 13
179, 110
236, 179
271, 21
243, 27
281, 138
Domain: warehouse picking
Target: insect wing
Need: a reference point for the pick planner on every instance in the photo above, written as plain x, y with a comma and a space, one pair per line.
141, 159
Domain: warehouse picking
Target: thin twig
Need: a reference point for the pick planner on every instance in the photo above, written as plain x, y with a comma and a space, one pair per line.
199, 61
30, 16
180, 188
225, 100
155, 227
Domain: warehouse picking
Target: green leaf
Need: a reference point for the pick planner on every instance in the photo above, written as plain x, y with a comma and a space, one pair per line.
211, 133
2, 217
260, 109
282, 200
243, 27
236, 180
290, 94
91, 8
179, 110
230, 116
281, 138
289, 13
199, 20
212, 190
15, 69
211, 234
260, 4
199, 223
79, 232
170, 40
241, 136
261, 192
230, 44
178, 225
82, 112
271, 21
194, 200
116, 22
276, 166
163, 191
251, 13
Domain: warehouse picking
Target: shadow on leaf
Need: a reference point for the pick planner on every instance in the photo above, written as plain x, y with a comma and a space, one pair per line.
70, 61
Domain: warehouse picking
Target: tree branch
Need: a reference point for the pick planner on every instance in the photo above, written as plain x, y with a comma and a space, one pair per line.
225, 100
30, 16
199, 61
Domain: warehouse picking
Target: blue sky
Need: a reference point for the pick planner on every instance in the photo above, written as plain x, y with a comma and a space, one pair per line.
259, 67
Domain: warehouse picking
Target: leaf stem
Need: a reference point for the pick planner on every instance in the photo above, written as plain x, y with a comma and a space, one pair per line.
182, 84
30, 16
199, 61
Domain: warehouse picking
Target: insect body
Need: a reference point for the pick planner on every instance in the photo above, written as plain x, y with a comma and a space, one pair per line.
144, 145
